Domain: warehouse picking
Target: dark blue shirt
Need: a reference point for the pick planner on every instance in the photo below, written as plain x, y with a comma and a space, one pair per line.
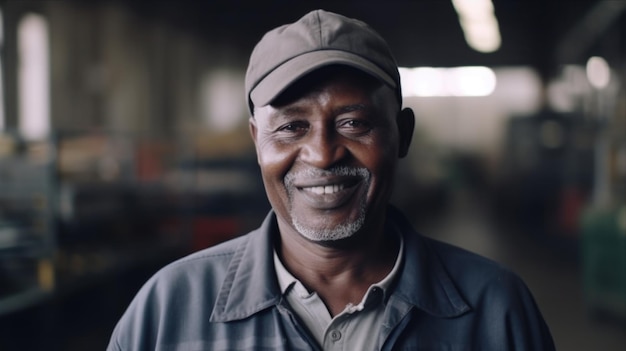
227, 298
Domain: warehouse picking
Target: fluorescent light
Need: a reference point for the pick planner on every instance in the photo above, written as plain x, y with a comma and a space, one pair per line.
423, 81
473, 9
479, 24
482, 36
33, 77
458, 81
471, 81
2, 118
598, 72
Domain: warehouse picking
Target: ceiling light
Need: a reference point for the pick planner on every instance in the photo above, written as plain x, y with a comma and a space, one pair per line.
479, 24
458, 81
598, 72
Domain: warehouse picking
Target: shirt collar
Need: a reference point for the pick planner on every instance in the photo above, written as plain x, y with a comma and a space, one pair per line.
250, 283
286, 280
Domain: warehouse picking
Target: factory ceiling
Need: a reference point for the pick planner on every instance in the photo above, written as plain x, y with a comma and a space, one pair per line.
542, 34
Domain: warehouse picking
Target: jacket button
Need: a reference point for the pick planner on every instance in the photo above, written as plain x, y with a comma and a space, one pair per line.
335, 335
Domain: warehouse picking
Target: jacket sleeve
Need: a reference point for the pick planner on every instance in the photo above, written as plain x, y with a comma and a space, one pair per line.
134, 330
510, 318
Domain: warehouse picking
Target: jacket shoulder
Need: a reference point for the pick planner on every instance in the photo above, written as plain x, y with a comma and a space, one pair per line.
212, 261
184, 290
504, 313
475, 274
456, 258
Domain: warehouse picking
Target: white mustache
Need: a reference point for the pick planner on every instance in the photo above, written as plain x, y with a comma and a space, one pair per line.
335, 171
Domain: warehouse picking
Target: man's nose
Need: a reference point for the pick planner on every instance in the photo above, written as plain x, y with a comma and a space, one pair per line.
322, 149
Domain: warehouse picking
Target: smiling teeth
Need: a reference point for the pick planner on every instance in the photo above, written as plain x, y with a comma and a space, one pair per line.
328, 189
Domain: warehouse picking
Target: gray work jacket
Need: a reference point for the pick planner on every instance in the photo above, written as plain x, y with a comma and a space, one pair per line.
227, 298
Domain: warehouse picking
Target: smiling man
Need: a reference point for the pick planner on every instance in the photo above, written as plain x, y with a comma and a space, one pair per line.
333, 266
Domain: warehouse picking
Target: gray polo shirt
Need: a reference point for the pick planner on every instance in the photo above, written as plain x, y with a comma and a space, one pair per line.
357, 327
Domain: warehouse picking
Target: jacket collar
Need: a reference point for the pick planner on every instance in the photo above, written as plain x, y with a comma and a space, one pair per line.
424, 281
251, 285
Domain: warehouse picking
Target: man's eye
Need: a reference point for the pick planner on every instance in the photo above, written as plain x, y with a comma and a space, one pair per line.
355, 126
292, 127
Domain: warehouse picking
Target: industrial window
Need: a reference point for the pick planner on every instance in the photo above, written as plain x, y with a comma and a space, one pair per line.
2, 118
33, 77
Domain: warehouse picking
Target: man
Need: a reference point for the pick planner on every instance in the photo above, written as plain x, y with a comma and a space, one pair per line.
333, 266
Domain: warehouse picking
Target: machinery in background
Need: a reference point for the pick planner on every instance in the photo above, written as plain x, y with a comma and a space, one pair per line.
27, 230
84, 208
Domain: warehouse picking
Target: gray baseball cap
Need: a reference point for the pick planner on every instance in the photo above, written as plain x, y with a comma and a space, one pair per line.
320, 38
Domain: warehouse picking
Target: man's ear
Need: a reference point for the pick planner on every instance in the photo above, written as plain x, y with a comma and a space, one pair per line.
253, 128
406, 124
253, 133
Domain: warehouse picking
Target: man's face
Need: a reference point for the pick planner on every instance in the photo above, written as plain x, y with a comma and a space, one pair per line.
327, 152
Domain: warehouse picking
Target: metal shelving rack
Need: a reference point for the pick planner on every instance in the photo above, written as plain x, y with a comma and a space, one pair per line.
27, 238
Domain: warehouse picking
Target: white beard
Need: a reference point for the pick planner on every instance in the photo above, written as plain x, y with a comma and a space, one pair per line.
323, 233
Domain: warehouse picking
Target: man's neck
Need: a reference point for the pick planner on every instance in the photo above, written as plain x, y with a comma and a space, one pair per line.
339, 274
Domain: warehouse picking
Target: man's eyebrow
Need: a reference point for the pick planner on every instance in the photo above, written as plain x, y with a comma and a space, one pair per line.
288, 111
286, 114
352, 108
295, 111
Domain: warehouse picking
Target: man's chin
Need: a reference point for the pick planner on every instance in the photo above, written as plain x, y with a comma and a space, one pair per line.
329, 235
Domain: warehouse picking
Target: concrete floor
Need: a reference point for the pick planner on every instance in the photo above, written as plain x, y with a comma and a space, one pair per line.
553, 275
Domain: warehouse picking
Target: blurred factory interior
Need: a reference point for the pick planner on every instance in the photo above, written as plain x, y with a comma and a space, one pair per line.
124, 145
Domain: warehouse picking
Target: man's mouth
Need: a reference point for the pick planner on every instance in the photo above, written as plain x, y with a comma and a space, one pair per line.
325, 190
330, 195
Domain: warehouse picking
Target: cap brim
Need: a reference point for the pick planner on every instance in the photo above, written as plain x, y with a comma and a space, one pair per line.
289, 72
